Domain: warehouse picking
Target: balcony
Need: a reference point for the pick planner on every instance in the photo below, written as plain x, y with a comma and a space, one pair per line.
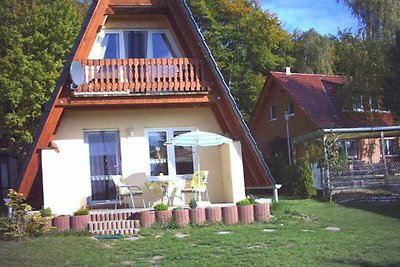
141, 76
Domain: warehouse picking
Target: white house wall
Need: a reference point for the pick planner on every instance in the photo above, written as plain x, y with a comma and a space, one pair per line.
66, 174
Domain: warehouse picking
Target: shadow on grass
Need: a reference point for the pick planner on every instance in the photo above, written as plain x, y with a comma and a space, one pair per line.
390, 209
363, 263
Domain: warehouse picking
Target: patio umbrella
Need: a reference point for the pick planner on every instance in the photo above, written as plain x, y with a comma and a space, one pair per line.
198, 138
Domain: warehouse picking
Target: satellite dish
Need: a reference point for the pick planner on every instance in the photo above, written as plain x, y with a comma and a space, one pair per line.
77, 74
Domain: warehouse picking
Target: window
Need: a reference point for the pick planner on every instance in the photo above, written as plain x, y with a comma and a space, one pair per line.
349, 147
176, 161
391, 147
290, 107
105, 160
272, 113
134, 44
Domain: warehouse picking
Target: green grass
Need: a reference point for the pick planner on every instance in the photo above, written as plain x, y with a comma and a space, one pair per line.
369, 236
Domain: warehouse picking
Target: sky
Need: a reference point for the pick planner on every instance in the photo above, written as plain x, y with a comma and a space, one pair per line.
325, 16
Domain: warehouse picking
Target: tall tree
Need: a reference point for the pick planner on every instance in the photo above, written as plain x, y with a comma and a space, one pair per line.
35, 38
392, 78
314, 53
245, 41
365, 57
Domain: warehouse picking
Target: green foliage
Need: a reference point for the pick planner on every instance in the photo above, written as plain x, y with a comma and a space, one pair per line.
45, 212
35, 39
161, 207
392, 78
193, 203
179, 208
246, 42
251, 199
21, 224
305, 186
81, 211
314, 53
243, 202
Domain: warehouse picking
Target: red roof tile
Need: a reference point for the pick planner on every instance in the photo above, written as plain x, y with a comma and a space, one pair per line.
317, 95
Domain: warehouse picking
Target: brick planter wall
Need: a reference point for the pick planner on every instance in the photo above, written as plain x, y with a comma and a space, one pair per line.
246, 214
61, 223
197, 216
163, 216
181, 217
230, 215
213, 214
146, 218
262, 212
79, 222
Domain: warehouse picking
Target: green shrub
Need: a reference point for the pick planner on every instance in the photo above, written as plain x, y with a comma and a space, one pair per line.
161, 207
251, 199
193, 203
178, 208
81, 211
243, 202
21, 224
46, 212
305, 186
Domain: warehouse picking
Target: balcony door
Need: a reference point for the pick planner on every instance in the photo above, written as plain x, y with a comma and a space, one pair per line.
105, 160
114, 44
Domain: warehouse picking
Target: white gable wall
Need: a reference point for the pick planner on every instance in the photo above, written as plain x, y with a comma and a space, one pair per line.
66, 175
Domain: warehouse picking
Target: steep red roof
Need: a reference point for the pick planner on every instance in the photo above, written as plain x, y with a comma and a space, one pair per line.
318, 96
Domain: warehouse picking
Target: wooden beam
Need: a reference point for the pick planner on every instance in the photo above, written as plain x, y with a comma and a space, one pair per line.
137, 3
142, 10
33, 163
156, 100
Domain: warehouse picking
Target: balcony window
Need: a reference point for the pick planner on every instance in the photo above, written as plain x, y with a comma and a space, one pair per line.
134, 44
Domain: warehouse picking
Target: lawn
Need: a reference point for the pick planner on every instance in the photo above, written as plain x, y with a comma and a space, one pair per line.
369, 235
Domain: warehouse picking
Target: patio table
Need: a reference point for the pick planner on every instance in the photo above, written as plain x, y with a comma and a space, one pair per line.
168, 187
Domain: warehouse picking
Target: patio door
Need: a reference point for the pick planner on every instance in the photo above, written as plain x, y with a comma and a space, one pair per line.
105, 160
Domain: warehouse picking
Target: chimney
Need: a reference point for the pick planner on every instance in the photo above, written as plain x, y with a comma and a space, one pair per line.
288, 71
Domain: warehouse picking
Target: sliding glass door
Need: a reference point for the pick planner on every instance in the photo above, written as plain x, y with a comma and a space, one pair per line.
105, 160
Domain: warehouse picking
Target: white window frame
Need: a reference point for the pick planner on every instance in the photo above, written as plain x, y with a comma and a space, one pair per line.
288, 103
386, 141
96, 49
271, 117
345, 148
171, 154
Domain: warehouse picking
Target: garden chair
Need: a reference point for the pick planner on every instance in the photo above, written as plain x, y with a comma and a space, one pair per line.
123, 190
198, 185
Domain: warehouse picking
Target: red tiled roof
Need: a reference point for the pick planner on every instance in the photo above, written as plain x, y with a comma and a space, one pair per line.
317, 95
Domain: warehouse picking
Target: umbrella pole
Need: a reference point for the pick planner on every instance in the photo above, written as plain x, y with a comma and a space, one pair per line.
198, 180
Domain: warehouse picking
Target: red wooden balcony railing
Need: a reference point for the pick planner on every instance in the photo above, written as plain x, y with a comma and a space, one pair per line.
137, 76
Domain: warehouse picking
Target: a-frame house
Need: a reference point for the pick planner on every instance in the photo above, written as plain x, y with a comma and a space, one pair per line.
145, 75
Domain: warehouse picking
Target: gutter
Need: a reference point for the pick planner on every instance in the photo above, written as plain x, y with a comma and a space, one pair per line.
227, 91
361, 129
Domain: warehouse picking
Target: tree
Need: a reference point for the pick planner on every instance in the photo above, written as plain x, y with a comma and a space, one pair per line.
35, 39
314, 53
365, 56
392, 78
245, 41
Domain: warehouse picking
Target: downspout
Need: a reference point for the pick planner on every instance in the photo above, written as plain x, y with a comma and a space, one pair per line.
384, 158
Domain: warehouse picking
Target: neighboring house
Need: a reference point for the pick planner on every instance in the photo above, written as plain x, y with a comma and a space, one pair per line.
307, 107
8, 173
146, 76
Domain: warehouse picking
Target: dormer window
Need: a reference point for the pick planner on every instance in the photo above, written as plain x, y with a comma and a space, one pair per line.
114, 44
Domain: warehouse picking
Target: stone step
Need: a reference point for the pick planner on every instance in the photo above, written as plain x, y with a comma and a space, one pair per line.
114, 227
111, 216
115, 232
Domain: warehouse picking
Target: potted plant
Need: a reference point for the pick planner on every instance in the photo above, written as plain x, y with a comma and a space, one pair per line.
230, 215
162, 214
180, 216
47, 214
213, 214
80, 219
61, 223
146, 218
196, 215
245, 211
